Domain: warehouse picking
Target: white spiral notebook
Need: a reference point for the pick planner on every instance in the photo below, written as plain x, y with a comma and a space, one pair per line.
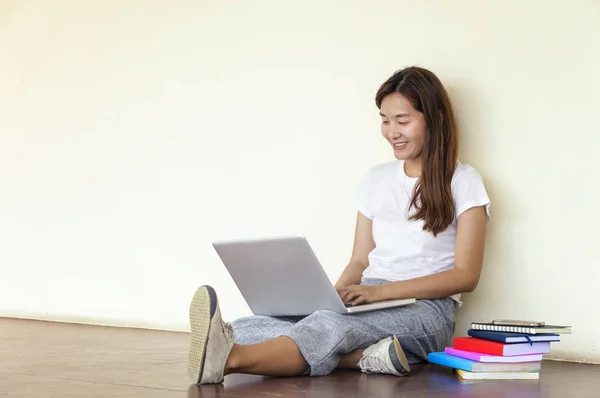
521, 329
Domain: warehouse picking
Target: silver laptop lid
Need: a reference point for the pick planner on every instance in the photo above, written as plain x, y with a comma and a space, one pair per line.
279, 276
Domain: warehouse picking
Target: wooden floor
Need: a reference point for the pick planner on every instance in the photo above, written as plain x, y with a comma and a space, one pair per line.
44, 359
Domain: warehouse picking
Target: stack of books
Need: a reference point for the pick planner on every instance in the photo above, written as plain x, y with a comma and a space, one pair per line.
500, 350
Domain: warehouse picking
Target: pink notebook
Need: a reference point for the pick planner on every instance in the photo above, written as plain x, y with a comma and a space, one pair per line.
477, 357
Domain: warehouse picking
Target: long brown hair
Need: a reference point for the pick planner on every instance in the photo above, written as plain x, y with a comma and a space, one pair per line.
432, 196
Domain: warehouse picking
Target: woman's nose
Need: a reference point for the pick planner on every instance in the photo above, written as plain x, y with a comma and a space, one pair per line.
394, 131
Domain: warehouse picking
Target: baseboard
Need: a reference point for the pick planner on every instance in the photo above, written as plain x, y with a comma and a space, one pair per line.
117, 323
560, 359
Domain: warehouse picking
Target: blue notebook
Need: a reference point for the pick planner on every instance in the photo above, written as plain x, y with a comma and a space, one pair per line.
509, 338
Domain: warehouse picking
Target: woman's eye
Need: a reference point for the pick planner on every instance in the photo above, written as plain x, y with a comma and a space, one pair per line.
385, 122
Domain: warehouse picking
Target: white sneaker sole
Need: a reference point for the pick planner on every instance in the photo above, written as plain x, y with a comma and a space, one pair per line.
401, 355
201, 312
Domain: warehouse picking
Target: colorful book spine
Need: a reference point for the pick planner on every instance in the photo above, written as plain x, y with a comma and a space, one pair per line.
502, 349
478, 357
503, 337
444, 359
466, 375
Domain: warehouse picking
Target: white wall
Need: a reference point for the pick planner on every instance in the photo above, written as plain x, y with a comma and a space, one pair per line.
134, 133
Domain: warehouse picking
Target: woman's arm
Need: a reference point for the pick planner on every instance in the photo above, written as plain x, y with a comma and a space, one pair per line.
464, 277
359, 261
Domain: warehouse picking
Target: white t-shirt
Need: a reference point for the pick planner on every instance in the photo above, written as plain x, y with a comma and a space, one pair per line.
402, 249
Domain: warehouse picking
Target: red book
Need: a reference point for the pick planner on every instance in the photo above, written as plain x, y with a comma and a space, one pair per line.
481, 346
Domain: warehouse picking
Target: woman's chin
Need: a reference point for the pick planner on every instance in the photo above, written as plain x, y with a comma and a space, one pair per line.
401, 155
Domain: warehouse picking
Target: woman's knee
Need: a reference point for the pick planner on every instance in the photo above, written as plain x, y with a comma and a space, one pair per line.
324, 314
322, 321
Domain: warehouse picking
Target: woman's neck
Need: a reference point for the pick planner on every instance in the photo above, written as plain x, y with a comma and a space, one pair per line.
412, 167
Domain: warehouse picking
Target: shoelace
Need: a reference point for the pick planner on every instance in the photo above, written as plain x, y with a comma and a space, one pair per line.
228, 330
374, 363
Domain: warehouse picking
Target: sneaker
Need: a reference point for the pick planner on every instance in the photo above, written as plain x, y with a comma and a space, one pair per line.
385, 357
212, 339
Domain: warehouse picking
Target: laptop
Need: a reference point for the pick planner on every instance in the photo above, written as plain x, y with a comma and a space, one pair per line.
281, 276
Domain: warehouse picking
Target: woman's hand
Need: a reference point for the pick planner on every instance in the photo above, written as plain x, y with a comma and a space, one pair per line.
358, 294
363, 245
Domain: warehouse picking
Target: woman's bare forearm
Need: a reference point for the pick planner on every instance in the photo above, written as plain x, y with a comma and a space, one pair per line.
352, 274
436, 286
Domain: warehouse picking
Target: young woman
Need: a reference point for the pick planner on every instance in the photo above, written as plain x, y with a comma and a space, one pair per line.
420, 232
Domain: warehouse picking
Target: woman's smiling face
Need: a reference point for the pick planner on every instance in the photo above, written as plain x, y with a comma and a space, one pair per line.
403, 127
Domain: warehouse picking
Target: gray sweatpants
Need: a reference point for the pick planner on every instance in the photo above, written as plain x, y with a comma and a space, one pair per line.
325, 336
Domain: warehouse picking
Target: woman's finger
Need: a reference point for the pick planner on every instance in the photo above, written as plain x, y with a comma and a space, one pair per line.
349, 298
346, 295
350, 295
360, 299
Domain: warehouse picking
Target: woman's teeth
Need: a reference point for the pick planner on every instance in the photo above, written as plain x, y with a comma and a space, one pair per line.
400, 144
